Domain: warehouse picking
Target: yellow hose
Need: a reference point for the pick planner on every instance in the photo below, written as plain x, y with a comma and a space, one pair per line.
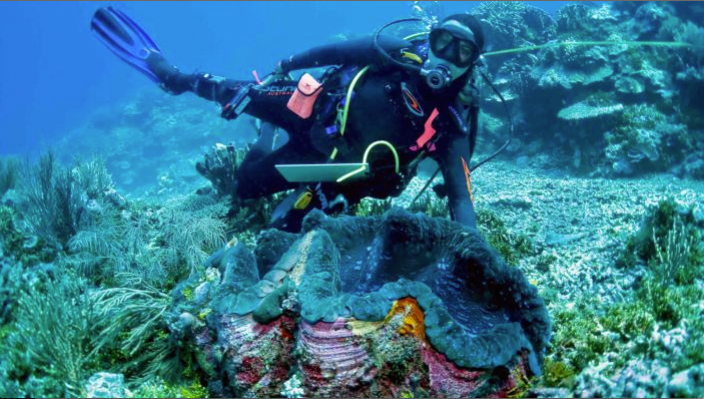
413, 36
348, 98
361, 169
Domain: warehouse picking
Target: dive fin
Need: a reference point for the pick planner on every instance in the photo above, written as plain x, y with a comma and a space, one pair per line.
125, 38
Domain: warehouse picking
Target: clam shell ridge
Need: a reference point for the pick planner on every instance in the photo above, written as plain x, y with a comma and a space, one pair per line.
395, 305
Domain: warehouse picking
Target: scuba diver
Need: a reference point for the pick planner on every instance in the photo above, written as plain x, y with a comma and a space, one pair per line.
385, 101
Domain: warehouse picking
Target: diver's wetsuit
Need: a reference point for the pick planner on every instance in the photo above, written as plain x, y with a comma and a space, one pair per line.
389, 104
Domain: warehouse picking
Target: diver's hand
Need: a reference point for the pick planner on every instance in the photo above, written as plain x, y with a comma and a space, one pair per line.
220, 167
278, 74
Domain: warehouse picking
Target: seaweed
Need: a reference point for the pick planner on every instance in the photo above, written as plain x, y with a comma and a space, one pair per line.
161, 246
512, 247
667, 240
56, 200
134, 331
50, 341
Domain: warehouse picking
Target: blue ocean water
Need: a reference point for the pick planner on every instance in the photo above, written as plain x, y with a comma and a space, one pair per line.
593, 209
55, 73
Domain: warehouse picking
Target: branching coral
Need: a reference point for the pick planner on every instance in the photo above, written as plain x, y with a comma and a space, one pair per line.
10, 286
514, 24
371, 207
663, 223
667, 298
97, 250
92, 177
432, 206
194, 238
584, 22
664, 306
52, 206
506, 18
7, 218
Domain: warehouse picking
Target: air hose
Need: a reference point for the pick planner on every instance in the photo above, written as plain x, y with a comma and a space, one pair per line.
597, 43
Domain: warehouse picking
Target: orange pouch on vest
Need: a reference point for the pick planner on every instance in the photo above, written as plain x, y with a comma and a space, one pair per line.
303, 99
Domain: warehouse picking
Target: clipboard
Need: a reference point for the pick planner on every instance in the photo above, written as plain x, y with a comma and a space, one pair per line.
312, 173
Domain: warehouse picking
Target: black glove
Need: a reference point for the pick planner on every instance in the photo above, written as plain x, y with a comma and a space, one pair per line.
440, 190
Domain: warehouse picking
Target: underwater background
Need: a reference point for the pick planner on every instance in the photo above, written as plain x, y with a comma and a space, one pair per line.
123, 275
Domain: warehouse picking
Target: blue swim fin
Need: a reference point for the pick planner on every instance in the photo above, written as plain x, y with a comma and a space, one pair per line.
125, 38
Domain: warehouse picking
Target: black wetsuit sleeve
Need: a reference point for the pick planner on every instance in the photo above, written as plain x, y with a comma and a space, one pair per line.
351, 52
454, 151
215, 88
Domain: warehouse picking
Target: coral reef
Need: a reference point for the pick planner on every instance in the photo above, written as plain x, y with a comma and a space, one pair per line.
634, 347
646, 137
592, 51
90, 235
48, 352
166, 289
106, 385
514, 24
582, 110
172, 240
155, 139
340, 303
9, 172
341, 307
58, 201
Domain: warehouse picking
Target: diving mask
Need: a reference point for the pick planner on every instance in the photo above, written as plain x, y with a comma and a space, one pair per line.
455, 43
452, 52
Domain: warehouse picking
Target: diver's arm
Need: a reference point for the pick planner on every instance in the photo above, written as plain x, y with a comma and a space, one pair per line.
222, 90
453, 155
350, 52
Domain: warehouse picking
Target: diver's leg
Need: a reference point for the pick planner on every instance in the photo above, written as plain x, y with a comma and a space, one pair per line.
257, 176
267, 103
130, 42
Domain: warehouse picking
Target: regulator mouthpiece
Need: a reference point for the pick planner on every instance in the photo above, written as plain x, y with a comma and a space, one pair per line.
438, 78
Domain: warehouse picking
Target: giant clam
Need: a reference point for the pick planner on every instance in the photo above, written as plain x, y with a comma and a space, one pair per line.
395, 305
